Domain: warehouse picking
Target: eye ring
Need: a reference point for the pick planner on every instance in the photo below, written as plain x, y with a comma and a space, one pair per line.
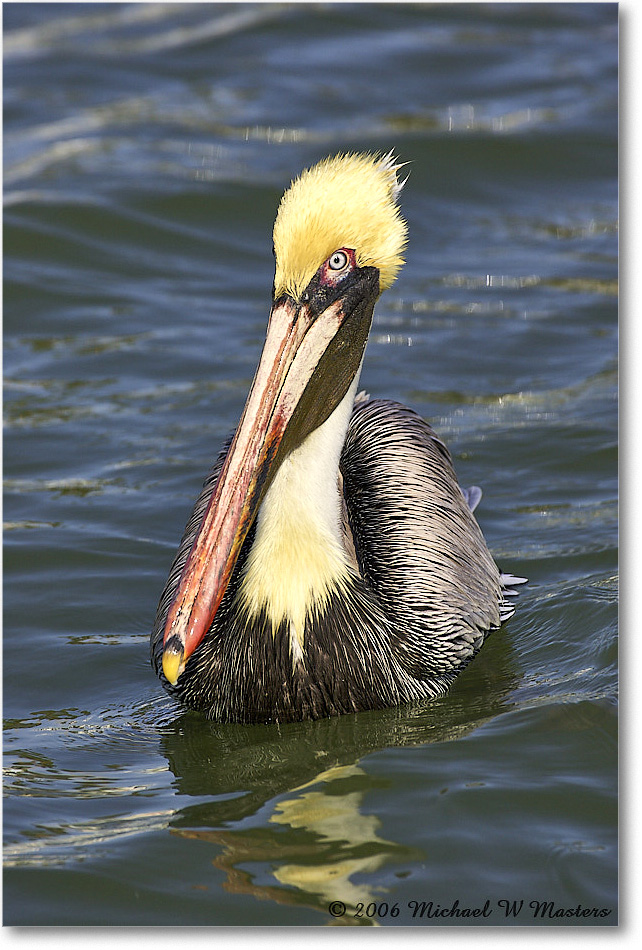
338, 260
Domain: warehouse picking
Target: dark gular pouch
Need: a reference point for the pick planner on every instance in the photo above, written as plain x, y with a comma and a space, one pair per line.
340, 361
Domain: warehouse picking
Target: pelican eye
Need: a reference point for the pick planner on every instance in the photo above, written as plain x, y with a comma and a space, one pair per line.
336, 268
338, 261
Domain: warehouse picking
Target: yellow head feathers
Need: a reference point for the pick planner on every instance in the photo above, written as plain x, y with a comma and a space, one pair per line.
344, 201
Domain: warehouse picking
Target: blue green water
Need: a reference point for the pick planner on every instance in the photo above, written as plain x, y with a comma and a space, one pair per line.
145, 150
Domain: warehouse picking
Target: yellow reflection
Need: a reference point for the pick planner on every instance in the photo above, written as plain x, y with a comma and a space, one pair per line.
334, 818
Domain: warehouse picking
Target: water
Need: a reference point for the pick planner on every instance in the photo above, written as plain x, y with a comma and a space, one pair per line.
146, 148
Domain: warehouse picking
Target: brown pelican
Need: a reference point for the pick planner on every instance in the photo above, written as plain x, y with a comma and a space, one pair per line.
332, 563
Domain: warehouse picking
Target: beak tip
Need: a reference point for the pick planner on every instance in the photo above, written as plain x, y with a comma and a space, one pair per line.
173, 664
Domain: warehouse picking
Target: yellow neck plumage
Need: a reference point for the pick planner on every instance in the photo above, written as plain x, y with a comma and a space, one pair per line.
298, 556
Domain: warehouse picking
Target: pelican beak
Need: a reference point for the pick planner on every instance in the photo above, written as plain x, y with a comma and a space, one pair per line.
312, 352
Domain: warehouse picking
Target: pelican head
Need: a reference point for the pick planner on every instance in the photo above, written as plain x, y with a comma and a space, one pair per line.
348, 201
338, 242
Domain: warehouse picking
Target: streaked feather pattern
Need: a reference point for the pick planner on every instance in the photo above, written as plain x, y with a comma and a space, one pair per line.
410, 618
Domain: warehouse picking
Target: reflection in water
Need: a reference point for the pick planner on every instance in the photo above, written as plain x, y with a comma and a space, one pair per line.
289, 808
333, 818
323, 840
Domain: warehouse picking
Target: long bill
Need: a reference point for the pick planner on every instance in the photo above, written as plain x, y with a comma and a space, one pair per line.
299, 343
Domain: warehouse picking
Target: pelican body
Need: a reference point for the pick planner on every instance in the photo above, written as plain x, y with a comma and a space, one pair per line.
331, 563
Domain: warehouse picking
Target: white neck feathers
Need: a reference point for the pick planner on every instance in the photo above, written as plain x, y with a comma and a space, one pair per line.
298, 554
